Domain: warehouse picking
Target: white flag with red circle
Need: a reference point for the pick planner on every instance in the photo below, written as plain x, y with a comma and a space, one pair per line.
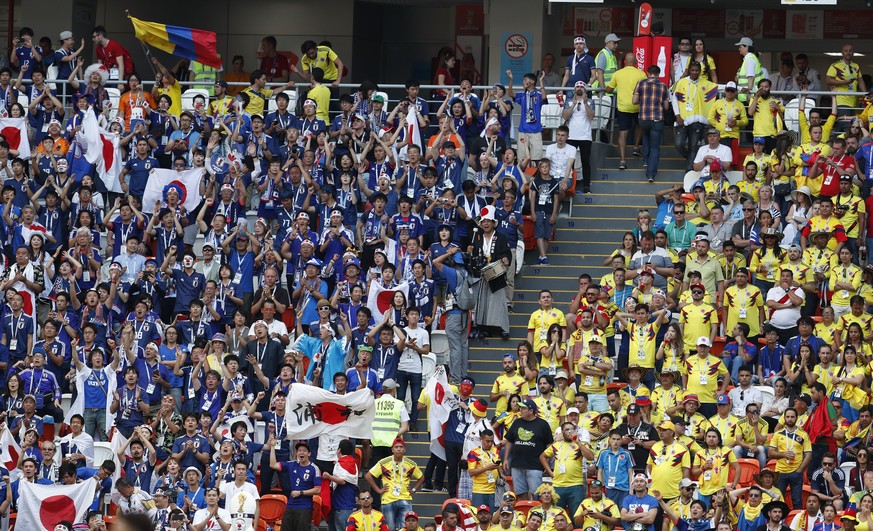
186, 183
311, 412
379, 299
14, 130
43, 506
9, 450
442, 402
110, 164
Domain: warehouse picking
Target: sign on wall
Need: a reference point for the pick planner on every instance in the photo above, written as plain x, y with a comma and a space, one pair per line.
516, 54
809, 2
804, 24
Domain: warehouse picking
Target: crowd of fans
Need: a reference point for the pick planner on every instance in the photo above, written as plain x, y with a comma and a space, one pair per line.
729, 287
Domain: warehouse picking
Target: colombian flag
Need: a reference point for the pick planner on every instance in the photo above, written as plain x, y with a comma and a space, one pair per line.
196, 45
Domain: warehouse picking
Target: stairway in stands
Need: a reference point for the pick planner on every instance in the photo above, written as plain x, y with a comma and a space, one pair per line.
582, 242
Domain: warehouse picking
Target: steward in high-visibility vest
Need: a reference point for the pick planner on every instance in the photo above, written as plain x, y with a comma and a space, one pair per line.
391, 421
605, 63
750, 72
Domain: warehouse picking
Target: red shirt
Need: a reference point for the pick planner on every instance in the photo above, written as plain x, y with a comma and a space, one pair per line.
108, 55
274, 66
830, 183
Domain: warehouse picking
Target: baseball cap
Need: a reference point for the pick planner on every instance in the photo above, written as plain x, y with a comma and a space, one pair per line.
667, 425
410, 514
633, 409
759, 140
687, 483
612, 37
561, 374
573, 410
698, 286
745, 41
389, 384
703, 340
506, 509
723, 400
730, 85
715, 166
845, 178
380, 99
529, 404
713, 131
221, 83
483, 507
66, 35
805, 398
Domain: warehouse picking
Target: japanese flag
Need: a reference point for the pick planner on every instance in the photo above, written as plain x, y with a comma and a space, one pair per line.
187, 183
41, 507
111, 161
14, 130
379, 299
9, 450
442, 402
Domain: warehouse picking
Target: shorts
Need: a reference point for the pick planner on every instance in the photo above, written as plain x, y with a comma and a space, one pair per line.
543, 226
533, 142
626, 120
524, 480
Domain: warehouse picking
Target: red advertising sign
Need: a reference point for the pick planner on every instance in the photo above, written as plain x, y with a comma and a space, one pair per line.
774, 24
469, 20
698, 22
843, 24
644, 22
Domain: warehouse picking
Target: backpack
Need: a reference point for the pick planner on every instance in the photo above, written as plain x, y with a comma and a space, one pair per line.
465, 293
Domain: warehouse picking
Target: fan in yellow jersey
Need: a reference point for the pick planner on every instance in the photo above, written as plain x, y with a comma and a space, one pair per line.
594, 368
669, 461
505, 520
792, 450
518, 518
744, 303
857, 314
596, 511
730, 261
550, 407
542, 319
643, 333
725, 422
828, 329
751, 435
672, 350
396, 471
666, 396
713, 465
580, 340
801, 273
701, 375
767, 259
366, 518
507, 384
815, 119
759, 157
549, 507
728, 115
568, 474
844, 280
483, 465
695, 423
806, 155
697, 319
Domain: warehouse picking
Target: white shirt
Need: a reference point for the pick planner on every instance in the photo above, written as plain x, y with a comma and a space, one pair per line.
203, 514
276, 326
579, 124
787, 317
561, 158
740, 398
233, 501
722, 153
410, 360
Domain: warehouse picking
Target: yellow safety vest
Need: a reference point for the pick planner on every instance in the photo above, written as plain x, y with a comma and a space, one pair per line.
386, 425
611, 67
205, 76
743, 79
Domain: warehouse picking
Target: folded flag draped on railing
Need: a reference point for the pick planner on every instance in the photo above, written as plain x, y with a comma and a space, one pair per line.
196, 45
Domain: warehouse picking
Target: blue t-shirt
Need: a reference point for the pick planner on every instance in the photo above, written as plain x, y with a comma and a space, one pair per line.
301, 478
634, 504
138, 169
188, 288
243, 268
530, 121
96, 389
616, 466
189, 459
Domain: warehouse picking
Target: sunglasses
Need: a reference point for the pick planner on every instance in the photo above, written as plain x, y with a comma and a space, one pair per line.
748, 210
677, 212
324, 308
697, 291
753, 411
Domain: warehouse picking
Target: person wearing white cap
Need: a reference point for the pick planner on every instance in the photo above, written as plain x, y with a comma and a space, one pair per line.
703, 373
729, 116
579, 64
639, 508
750, 72
492, 312
65, 56
605, 63
578, 114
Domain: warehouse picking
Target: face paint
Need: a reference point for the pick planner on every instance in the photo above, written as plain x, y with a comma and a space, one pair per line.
188, 262
466, 388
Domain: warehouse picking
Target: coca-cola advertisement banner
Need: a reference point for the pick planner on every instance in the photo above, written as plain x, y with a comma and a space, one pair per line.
654, 51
